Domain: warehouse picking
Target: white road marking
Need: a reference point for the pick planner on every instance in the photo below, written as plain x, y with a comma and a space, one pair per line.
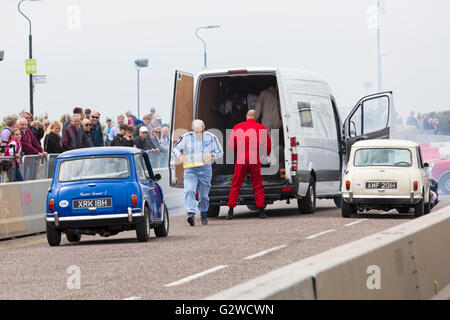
133, 298
196, 276
320, 234
353, 223
264, 252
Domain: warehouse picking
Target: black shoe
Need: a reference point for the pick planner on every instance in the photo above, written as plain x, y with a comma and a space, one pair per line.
204, 218
262, 214
191, 220
230, 214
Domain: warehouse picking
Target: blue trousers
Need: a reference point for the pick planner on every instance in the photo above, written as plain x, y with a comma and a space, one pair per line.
198, 178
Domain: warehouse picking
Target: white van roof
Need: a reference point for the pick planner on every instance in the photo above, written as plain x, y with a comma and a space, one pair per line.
288, 73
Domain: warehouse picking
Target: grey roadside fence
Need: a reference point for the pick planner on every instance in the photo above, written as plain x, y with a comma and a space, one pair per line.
50, 165
31, 165
35, 167
7, 165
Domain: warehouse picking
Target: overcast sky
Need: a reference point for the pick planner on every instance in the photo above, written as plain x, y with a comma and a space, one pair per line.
89, 57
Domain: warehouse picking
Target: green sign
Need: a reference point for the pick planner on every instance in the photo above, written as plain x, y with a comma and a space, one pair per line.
30, 66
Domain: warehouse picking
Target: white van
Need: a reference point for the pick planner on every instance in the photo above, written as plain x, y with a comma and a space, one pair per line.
313, 141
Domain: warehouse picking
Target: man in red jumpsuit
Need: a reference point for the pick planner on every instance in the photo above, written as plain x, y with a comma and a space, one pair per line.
248, 140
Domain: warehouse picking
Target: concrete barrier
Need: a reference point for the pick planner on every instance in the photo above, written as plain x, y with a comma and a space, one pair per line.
22, 208
33, 196
409, 261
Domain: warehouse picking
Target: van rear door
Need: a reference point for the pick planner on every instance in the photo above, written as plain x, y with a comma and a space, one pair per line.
182, 117
371, 118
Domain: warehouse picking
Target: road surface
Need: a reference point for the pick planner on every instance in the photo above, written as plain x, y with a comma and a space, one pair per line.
191, 263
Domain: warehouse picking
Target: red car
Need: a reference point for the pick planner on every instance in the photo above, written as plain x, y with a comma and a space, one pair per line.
440, 171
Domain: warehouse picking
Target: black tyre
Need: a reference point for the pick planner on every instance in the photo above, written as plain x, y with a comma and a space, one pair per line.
444, 183
338, 202
307, 205
162, 230
419, 209
427, 208
53, 236
347, 209
73, 237
252, 207
402, 210
143, 227
213, 212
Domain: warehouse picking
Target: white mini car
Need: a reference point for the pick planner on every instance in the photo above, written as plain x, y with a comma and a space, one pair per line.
383, 175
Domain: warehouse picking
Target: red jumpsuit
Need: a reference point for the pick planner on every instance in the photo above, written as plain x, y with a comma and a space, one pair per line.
247, 140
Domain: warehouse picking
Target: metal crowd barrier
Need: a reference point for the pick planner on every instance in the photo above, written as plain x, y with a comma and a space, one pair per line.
7, 176
158, 160
50, 165
34, 167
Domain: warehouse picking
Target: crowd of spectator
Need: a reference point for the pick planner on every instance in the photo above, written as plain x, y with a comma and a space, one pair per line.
423, 122
83, 129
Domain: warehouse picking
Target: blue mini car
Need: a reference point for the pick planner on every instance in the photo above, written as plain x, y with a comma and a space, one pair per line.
105, 191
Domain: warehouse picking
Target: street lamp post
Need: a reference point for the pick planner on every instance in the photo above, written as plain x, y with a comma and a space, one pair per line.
2, 54
30, 54
204, 43
140, 63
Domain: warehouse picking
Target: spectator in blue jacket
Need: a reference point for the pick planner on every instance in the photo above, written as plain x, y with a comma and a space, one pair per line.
96, 130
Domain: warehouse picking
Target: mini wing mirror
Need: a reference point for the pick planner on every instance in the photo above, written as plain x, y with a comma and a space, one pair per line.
157, 177
426, 165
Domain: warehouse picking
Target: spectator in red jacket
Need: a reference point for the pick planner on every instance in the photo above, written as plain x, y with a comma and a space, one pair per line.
30, 145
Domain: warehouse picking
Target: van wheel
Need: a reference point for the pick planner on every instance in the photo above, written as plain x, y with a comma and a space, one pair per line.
307, 205
143, 227
213, 212
347, 209
162, 230
53, 235
73, 237
337, 202
419, 209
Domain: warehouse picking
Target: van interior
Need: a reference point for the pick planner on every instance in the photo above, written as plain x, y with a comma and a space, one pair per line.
223, 102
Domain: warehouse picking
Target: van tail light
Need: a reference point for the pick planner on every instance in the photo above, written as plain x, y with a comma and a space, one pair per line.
288, 189
134, 201
51, 205
416, 185
347, 185
293, 142
294, 159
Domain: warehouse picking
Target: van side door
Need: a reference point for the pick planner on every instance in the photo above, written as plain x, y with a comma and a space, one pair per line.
182, 117
371, 118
